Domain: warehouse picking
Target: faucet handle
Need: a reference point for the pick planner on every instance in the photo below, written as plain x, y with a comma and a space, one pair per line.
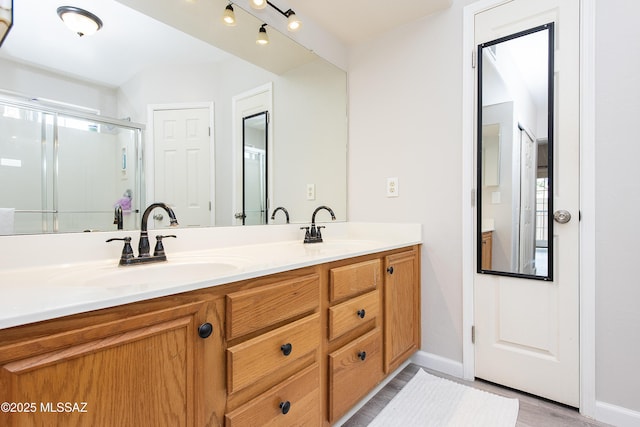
319, 233
127, 250
307, 234
159, 249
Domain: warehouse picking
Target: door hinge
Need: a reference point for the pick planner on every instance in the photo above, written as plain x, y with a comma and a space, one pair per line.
473, 59
473, 334
209, 205
473, 198
209, 130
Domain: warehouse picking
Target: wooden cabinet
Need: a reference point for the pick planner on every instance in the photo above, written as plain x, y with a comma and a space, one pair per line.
273, 374
487, 250
120, 368
354, 333
354, 370
297, 348
401, 307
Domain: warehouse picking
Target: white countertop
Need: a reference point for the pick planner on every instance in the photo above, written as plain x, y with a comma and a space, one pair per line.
44, 277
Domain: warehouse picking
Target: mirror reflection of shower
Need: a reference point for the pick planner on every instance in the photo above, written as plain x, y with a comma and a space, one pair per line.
254, 173
69, 170
515, 146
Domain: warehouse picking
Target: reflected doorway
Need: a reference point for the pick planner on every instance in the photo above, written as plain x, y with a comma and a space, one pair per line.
255, 140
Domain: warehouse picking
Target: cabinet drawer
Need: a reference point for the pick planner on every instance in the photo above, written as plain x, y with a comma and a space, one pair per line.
351, 377
276, 350
294, 402
353, 313
353, 279
254, 309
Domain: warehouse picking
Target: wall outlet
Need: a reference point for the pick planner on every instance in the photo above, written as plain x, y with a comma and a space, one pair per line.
311, 191
392, 187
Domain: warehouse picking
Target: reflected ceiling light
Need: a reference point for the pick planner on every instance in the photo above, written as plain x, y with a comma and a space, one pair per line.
80, 21
293, 23
229, 17
263, 37
258, 4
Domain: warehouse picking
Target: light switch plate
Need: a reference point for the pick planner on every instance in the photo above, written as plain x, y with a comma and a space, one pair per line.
311, 191
392, 187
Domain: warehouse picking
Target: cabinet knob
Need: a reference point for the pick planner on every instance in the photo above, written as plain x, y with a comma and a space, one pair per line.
362, 355
205, 330
361, 313
390, 270
285, 407
286, 349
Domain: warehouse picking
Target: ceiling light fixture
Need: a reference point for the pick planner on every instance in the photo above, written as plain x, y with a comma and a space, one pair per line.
229, 16
293, 23
263, 37
80, 21
6, 18
258, 4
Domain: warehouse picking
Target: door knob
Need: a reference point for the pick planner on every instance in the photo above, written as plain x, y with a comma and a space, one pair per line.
562, 216
239, 215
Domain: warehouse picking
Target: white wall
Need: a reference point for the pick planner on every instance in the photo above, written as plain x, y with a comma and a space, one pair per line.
405, 121
309, 143
618, 203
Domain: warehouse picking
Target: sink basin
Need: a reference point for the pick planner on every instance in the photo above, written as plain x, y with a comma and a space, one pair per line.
161, 274
146, 276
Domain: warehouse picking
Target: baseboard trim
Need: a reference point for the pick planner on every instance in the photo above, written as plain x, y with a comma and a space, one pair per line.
616, 415
438, 363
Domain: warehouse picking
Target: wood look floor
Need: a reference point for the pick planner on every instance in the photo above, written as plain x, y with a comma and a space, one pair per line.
534, 411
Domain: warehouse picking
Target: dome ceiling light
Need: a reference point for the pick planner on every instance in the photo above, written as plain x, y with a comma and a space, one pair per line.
80, 21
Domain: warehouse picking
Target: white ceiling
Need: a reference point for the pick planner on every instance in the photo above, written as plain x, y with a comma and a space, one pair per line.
128, 42
355, 21
131, 41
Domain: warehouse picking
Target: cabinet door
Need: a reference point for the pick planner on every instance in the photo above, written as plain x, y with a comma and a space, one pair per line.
142, 370
401, 308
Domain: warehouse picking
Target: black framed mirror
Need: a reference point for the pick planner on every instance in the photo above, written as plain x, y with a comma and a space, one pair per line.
515, 154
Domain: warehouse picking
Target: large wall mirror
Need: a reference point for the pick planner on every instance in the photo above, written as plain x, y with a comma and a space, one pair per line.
169, 53
515, 155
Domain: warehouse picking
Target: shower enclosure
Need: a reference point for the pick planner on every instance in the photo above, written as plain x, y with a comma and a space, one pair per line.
64, 171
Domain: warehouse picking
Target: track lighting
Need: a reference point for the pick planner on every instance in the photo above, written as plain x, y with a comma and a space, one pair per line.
80, 21
263, 37
293, 23
258, 4
229, 17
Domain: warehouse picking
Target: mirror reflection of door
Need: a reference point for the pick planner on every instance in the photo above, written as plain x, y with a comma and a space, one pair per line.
254, 168
515, 131
182, 165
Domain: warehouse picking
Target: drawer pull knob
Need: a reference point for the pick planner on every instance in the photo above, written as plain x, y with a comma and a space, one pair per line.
361, 313
286, 349
362, 355
205, 330
390, 270
285, 407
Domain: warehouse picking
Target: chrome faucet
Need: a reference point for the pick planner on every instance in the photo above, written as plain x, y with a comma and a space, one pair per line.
128, 258
280, 208
117, 217
313, 233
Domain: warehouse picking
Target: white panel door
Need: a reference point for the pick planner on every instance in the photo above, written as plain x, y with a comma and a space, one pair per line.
182, 175
526, 331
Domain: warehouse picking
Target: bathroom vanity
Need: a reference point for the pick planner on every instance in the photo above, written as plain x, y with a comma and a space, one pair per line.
296, 336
